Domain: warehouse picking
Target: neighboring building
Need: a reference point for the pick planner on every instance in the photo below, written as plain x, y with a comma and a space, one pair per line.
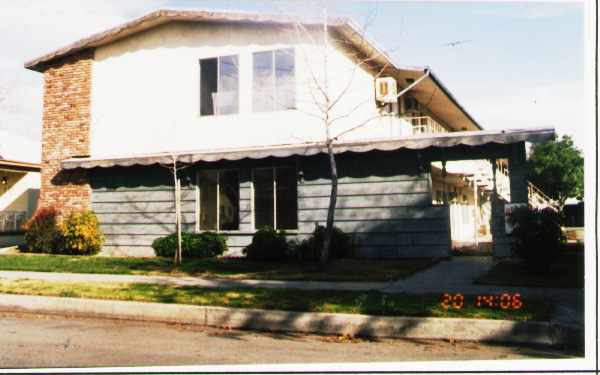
234, 96
19, 191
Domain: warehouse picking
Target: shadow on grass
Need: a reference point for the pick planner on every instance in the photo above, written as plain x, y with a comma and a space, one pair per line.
566, 272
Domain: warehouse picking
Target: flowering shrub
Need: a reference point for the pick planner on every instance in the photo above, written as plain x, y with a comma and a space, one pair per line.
42, 232
81, 233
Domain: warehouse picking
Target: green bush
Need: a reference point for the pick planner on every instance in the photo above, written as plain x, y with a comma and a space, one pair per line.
81, 234
310, 249
538, 237
267, 245
193, 245
42, 232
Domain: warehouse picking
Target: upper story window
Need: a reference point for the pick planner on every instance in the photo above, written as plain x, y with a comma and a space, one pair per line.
274, 84
219, 86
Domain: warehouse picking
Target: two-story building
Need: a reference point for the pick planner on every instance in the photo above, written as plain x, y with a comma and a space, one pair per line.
243, 101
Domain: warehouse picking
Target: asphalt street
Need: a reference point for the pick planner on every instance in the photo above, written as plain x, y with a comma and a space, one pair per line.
29, 340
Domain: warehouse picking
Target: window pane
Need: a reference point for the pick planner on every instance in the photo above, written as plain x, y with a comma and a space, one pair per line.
227, 98
263, 198
263, 82
287, 198
229, 200
208, 199
285, 82
208, 85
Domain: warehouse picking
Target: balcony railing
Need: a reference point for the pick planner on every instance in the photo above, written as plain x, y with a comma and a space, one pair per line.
11, 221
425, 125
538, 199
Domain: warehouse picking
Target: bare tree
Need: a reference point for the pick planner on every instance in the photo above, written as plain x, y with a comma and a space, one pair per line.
174, 168
327, 103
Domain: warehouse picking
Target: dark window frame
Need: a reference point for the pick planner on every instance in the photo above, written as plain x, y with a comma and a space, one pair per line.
274, 205
198, 214
203, 110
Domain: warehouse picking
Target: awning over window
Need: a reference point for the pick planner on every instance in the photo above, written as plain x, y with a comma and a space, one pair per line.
441, 140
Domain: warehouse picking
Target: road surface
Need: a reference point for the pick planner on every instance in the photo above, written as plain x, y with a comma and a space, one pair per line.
29, 340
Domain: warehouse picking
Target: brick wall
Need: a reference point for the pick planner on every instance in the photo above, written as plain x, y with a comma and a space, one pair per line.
66, 131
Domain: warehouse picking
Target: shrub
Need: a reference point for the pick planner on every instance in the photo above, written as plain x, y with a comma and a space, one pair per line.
193, 245
81, 233
537, 237
311, 248
267, 245
42, 233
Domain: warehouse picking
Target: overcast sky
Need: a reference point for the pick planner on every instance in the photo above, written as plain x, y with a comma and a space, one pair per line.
518, 64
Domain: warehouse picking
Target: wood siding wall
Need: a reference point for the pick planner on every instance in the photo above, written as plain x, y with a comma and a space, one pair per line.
135, 205
384, 202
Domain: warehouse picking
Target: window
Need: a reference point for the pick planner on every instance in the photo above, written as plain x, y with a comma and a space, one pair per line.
274, 83
275, 198
410, 104
219, 86
219, 200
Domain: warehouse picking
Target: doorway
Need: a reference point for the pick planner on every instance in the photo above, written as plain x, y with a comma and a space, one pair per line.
466, 187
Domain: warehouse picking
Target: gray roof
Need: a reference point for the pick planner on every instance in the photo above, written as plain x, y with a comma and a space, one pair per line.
442, 140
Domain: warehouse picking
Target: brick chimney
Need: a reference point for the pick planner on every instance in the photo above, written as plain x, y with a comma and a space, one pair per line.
66, 131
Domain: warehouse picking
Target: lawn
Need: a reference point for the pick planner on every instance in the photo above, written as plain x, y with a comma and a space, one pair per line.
371, 303
228, 268
567, 272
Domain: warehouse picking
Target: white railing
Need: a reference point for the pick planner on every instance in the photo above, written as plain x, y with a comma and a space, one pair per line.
425, 125
11, 221
537, 198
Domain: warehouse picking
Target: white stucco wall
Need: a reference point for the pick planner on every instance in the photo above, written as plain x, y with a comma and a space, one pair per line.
145, 92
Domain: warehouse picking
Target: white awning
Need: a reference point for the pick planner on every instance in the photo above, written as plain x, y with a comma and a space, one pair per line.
440, 140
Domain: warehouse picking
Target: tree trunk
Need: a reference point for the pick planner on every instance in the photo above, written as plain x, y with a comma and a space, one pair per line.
177, 191
332, 203
179, 250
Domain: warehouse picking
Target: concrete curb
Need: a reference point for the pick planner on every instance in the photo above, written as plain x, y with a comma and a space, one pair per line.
286, 321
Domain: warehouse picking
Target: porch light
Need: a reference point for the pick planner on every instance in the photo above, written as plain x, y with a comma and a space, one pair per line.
4, 180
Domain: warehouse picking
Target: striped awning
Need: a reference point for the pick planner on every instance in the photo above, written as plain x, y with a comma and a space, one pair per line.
440, 140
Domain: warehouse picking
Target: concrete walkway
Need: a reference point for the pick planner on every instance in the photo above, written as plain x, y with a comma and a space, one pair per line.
455, 275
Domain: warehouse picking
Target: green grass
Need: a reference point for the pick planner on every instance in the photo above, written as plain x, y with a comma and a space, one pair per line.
371, 303
229, 268
566, 272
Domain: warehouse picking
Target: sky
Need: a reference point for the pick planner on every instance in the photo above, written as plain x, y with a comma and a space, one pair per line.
517, 64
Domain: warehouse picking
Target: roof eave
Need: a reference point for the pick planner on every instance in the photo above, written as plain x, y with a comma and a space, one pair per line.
19, 165
453, 99
163, 16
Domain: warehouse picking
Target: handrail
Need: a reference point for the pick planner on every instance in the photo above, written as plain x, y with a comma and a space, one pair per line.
538, 191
